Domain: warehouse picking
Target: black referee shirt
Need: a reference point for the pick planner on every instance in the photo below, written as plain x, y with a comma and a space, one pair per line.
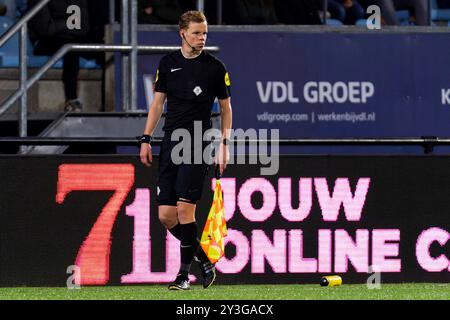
191, 86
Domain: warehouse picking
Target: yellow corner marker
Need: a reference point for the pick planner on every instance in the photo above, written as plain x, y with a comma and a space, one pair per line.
331, 281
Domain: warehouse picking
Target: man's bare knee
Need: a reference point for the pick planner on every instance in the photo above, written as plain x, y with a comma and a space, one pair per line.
186, 212
168, 216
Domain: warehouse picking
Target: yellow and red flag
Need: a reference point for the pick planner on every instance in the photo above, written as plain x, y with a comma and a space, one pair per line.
215, 230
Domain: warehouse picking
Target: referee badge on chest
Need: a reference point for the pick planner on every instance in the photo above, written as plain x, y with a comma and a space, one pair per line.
197, 90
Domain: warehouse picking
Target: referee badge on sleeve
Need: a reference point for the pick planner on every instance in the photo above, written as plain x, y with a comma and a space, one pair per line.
227, 80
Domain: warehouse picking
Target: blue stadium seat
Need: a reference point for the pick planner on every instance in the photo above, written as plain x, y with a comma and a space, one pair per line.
39, 61
434, 8
88, 64
11, 47
438, 14
361, 23
402, 15
334, 22
443, 15
11, 8
9, 52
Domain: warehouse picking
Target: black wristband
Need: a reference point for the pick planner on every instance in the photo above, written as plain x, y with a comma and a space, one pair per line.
226, 141
145, 139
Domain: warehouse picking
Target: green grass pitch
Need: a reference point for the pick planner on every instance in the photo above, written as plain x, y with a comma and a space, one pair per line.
407, 291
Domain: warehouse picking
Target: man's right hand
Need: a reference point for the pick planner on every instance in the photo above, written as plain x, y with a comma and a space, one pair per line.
146, 154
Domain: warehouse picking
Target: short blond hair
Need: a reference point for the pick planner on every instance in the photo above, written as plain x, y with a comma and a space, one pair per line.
191, 16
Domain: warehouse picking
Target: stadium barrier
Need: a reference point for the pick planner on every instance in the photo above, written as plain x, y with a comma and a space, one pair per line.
320, 215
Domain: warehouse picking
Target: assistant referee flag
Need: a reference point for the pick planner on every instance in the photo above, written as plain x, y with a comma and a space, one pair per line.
215, 230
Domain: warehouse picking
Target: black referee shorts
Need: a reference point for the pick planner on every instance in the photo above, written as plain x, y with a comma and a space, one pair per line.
179, 182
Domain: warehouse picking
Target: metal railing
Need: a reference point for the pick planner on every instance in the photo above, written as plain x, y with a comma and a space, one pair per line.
129, 59
324, 11
428, 143
23, 28
86, 48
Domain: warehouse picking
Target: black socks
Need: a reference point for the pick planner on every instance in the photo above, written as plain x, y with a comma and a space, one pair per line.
189, 244
175, 231
198, 252
190, 247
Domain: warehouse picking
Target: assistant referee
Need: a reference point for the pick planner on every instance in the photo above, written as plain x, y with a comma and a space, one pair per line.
190, 80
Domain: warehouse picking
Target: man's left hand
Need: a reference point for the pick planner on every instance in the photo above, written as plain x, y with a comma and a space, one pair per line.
223, 157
